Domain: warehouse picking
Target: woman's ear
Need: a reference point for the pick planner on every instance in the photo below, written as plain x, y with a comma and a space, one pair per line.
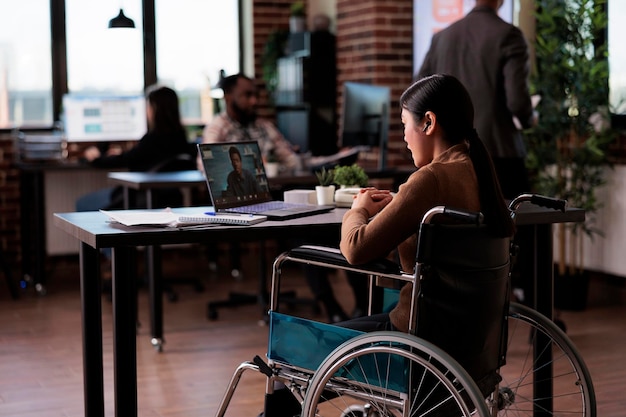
430, 119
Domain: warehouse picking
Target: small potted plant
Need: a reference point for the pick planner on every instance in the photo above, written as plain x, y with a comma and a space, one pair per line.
350, 178
326, 190
297, 17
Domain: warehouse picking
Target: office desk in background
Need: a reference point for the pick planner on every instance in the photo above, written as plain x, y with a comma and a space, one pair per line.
47, 187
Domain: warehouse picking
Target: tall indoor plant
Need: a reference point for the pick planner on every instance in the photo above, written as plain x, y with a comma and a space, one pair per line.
273, 49
568, 147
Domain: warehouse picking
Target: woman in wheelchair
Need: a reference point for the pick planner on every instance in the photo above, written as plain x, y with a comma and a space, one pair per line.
455, 170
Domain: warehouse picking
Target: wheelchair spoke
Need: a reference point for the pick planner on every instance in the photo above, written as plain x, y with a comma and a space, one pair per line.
544, 374
396, 377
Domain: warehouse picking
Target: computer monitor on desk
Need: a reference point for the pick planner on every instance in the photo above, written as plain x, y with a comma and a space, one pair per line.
365, 117
97, 118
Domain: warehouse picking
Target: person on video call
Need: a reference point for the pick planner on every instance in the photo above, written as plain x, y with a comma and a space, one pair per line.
241, 182
239, 122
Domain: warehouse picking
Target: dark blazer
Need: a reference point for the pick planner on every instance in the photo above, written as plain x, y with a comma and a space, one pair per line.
490, 57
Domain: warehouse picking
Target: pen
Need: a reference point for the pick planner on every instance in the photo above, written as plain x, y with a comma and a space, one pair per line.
210, 213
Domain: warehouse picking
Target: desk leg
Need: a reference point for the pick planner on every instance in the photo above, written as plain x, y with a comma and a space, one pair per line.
32, 203
90, 293
155, 284
124, 333
543, 303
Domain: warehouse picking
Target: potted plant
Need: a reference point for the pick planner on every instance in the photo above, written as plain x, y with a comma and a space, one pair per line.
350, 179
568, 148
350, 176
326, 190
297, 17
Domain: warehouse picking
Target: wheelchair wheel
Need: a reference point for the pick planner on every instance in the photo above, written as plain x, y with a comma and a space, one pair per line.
391, 374
544, 372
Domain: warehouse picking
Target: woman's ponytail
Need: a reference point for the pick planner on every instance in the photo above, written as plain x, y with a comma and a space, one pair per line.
496, 212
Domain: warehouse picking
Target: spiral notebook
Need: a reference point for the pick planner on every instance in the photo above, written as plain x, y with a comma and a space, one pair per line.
167, 218
222, 218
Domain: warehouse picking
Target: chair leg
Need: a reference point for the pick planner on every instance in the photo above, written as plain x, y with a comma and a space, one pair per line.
8, 276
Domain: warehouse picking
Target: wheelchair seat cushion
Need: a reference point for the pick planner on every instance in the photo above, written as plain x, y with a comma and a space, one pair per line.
334, 257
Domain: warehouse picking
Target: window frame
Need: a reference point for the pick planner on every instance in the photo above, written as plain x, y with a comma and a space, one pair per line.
59, 49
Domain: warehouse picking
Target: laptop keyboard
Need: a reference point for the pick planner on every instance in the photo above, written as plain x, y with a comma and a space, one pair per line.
261, 207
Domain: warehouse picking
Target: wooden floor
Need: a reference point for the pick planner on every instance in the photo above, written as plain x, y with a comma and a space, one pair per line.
41, 362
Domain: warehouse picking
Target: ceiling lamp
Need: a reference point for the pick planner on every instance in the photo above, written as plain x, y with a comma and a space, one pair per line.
121, 21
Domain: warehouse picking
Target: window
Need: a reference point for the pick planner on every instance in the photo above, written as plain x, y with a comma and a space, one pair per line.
99, 59
195, 39
25, 65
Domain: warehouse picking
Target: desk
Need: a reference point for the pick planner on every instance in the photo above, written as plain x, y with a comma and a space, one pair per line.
540, 220
46, 187
148, 181
94, 233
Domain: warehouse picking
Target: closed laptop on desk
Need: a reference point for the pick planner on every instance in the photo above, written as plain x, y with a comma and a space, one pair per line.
237, 182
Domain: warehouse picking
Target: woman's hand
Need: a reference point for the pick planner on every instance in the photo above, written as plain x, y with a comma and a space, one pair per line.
372, 200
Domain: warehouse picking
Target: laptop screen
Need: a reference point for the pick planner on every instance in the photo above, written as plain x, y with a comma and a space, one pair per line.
234, 173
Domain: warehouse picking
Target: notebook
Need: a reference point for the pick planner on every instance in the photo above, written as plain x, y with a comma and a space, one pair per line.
248, 192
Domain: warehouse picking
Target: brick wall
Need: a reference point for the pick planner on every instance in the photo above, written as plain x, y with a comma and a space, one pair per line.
374, 45
267, 17
9, 206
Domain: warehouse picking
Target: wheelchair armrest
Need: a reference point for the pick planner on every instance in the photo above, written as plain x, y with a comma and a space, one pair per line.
333, 256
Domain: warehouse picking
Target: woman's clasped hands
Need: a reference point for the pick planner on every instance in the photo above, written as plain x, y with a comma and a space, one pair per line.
372, 199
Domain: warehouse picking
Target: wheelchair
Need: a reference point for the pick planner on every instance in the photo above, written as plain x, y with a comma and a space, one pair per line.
470, 350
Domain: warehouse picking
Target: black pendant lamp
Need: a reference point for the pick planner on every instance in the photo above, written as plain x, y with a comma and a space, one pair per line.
121, 21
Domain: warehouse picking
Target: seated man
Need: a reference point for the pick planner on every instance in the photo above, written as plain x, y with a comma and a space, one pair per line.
239, 122
241, 182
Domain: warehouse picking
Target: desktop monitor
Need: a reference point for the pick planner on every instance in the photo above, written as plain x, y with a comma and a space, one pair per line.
93, 118
365, 117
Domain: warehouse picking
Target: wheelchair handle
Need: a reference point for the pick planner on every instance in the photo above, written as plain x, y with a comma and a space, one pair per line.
538, 200
463, 216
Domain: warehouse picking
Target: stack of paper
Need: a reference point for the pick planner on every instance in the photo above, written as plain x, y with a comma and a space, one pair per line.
167, 218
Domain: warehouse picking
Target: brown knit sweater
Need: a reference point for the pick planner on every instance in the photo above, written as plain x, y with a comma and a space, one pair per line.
449, 180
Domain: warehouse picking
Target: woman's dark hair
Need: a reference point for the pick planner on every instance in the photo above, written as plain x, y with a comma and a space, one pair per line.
448, 99
164, 102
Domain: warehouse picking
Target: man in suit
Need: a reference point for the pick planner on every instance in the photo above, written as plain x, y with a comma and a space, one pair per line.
490, 57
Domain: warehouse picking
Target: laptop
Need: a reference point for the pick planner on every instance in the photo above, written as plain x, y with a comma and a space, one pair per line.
248, 191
